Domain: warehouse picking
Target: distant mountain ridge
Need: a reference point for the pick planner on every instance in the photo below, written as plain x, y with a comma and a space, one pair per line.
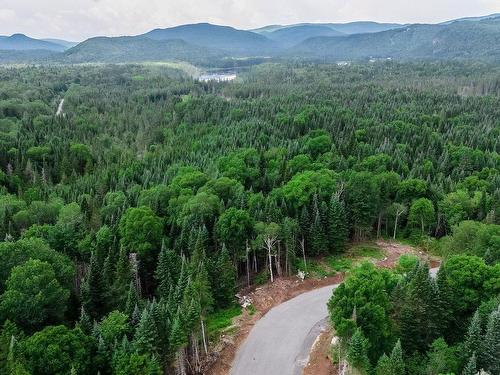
64, 43
204, 43
357, 27
224, 38
457, 40
21, 42
136, 49
290, 36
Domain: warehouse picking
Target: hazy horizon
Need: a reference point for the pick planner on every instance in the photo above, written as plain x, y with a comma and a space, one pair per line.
82, 19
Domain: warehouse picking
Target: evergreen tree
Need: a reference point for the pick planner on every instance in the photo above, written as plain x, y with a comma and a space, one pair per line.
167, 271
108, 270
132, 299
123, 277
304, 223
318, 242
136, 316
357, 353
94, 290
181, 284
337, 225
418, 314
223, 280
146, 335
471, 366
473, 338
490, 348
396, 359
85, 322
177, 336
384, 366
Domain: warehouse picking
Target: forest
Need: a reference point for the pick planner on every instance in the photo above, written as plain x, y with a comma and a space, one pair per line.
138, 211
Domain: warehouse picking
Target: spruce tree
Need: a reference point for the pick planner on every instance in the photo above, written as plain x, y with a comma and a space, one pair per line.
177, 337
396, 359
357, 353
418, 314
108, 270
223, 280
167, 271
471, 366
123, 277
384, 366
318, 243
146, 335
473, 337
94, 291
337, 225
305, 223
490, 349
85, 322
132, 299
181, 284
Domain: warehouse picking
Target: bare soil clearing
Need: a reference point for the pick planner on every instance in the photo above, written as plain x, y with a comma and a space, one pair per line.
269, 295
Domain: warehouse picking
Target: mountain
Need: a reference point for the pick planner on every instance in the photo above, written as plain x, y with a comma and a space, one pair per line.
358, 27
21, 42
26, 56
363, 27
290, 36
269, 28
480, 18
223, 38
458, 40
136, 49
65, 43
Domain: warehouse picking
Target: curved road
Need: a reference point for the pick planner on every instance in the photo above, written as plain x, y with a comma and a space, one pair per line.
280, 342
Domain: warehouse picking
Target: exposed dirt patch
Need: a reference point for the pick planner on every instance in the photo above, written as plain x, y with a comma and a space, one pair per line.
393, 250
320, 362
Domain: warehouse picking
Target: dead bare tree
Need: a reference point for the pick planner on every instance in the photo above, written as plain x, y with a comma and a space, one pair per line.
269, 241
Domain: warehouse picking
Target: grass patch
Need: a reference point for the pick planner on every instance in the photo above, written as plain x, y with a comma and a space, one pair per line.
339, 263
220, 320
251, 310
366, 251
315, 268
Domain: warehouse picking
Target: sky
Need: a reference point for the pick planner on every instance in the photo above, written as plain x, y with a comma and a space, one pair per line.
80, 19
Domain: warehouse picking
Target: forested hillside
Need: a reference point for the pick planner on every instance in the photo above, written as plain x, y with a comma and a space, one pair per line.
136, 213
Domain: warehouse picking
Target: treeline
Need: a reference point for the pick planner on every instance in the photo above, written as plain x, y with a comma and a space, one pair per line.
135, 214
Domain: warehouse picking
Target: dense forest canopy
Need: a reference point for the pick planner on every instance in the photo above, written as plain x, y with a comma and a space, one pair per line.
136, 212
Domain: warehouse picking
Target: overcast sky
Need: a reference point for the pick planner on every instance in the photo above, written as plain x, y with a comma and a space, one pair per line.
81, 19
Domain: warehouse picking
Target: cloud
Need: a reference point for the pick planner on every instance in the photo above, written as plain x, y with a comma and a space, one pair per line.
81, 19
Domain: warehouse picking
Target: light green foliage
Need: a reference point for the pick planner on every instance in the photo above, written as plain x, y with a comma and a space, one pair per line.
33, 296
57, 349
442, 358
141, 230
16, 253
220, 320
234, 228
362, 300
407, 263
301, 188
114, 326
422, 214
